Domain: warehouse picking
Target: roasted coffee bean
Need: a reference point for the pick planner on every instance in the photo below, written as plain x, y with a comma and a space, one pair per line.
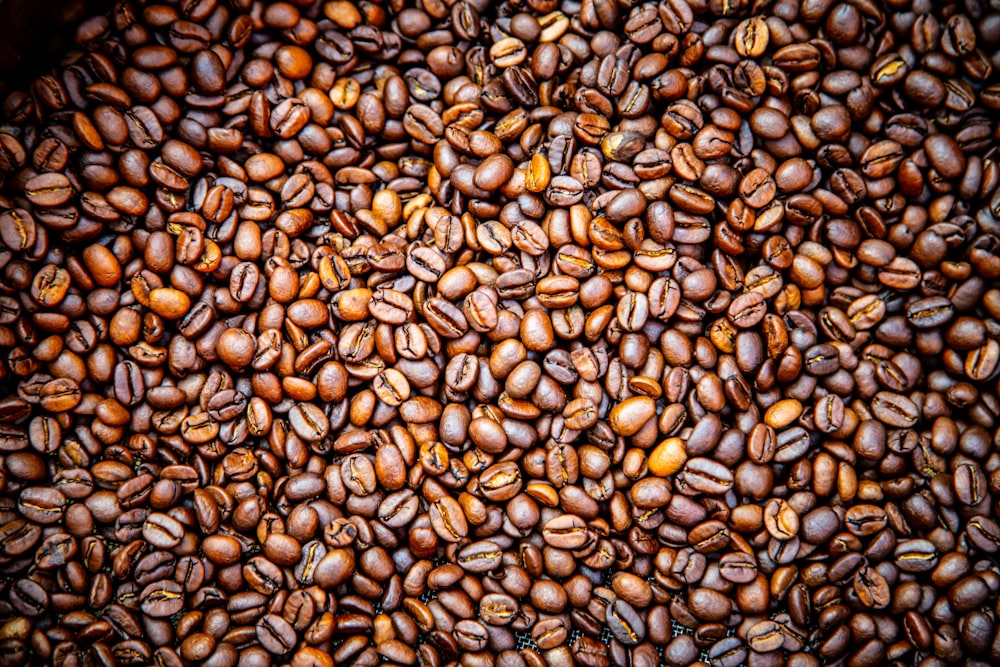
765, 636
625, 623
161, 599
567, 531
276, 635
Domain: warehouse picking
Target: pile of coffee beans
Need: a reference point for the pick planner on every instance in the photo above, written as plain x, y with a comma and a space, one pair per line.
504, 332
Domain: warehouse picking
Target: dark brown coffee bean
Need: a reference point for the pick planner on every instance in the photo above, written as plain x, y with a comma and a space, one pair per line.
625, 623
276, 635
161, 599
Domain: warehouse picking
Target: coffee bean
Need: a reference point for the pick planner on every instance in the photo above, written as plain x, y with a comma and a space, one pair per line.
630, 415
625, 623
161, 599
42, 505
566, 531
668, 457
738, 567
765, 636
276, 635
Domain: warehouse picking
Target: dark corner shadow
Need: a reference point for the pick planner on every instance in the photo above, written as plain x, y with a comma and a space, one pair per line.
35, 33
